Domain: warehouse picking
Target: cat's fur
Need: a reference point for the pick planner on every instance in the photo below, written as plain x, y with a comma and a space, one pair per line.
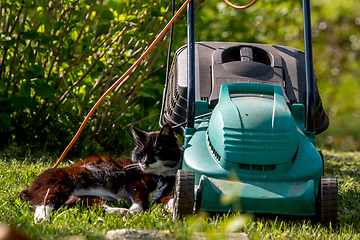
148, 177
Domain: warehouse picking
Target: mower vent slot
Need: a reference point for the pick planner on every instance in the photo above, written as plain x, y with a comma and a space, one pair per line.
213, 151
256, 168
250, 167
295, 155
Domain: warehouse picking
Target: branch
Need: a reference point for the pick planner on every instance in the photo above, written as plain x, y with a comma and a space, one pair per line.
139, 121
62, 98
61, 41
16, 18
71, 92
83, 27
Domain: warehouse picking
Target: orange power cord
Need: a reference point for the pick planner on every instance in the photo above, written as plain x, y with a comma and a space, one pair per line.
240, 7
119, 81
137, 62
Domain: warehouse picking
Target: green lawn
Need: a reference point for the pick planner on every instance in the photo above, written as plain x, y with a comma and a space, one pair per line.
17, 170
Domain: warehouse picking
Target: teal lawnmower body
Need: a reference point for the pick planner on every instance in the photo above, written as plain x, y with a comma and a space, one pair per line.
249, 145
265, 148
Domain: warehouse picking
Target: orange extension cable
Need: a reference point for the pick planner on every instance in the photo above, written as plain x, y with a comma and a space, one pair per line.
119, 81
240, 7
130, 70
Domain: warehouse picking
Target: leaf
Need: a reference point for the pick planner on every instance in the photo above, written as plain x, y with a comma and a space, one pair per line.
131, 19
20, 102
122, 17
32, 35
39, 71
44, 39
24, 90
44, 90
31, 55
102, 29
46, 20
156, 13
29, 74
2, 84
58, 25
7, 41
51, 112
107, 14
95, 74
100, 64
6, 119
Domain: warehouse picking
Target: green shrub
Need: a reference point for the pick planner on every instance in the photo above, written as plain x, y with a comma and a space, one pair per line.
58, 57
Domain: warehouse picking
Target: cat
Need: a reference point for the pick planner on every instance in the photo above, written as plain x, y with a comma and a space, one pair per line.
148, 177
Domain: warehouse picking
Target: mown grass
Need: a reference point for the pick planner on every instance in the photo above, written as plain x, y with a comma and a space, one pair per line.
19, 168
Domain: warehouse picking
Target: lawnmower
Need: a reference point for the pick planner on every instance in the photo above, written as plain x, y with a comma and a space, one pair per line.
251, 113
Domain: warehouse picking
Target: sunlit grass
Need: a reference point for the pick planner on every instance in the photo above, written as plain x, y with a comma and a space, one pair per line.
17, 170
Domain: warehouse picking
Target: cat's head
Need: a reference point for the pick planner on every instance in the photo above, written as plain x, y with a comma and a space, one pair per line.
156, 152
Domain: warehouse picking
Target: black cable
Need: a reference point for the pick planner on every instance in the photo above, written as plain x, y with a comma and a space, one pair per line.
167, 63
197, 117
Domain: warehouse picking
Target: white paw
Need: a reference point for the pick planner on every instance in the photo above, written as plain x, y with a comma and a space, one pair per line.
135, 208
42, 213
170, 205
120, 211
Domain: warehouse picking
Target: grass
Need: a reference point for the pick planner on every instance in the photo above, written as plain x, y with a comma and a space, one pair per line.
18, 168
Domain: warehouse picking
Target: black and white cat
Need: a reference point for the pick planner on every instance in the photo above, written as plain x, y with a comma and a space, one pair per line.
148, 177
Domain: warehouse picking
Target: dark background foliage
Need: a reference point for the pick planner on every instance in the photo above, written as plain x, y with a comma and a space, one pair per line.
58, 57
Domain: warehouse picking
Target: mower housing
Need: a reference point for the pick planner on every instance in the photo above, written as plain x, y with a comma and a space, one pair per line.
249, 149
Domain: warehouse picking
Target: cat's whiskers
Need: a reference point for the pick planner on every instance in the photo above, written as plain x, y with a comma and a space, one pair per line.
137, 142
170, 163
131, 166
133, 140
142, 167
155, 142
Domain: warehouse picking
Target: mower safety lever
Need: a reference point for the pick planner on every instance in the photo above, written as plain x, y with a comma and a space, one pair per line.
246, 54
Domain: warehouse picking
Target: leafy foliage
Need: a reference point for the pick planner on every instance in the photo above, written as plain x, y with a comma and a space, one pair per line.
59, 57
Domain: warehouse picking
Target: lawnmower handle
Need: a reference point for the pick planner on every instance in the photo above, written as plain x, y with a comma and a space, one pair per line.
248, 88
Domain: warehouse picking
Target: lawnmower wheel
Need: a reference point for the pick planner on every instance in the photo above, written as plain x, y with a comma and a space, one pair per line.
328, 196
183, 193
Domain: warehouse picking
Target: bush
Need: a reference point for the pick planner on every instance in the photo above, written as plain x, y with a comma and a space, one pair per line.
58, 57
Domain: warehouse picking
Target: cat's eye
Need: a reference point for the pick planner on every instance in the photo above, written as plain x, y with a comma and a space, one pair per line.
156, 152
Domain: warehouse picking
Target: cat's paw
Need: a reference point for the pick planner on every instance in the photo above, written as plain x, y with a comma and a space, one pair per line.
120, 211
41, 213
135, 208
169, 205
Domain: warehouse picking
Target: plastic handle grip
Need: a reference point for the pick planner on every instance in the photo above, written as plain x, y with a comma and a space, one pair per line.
248, 88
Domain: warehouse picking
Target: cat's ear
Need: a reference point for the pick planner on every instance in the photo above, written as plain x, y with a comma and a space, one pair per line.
140, 136
167, 131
